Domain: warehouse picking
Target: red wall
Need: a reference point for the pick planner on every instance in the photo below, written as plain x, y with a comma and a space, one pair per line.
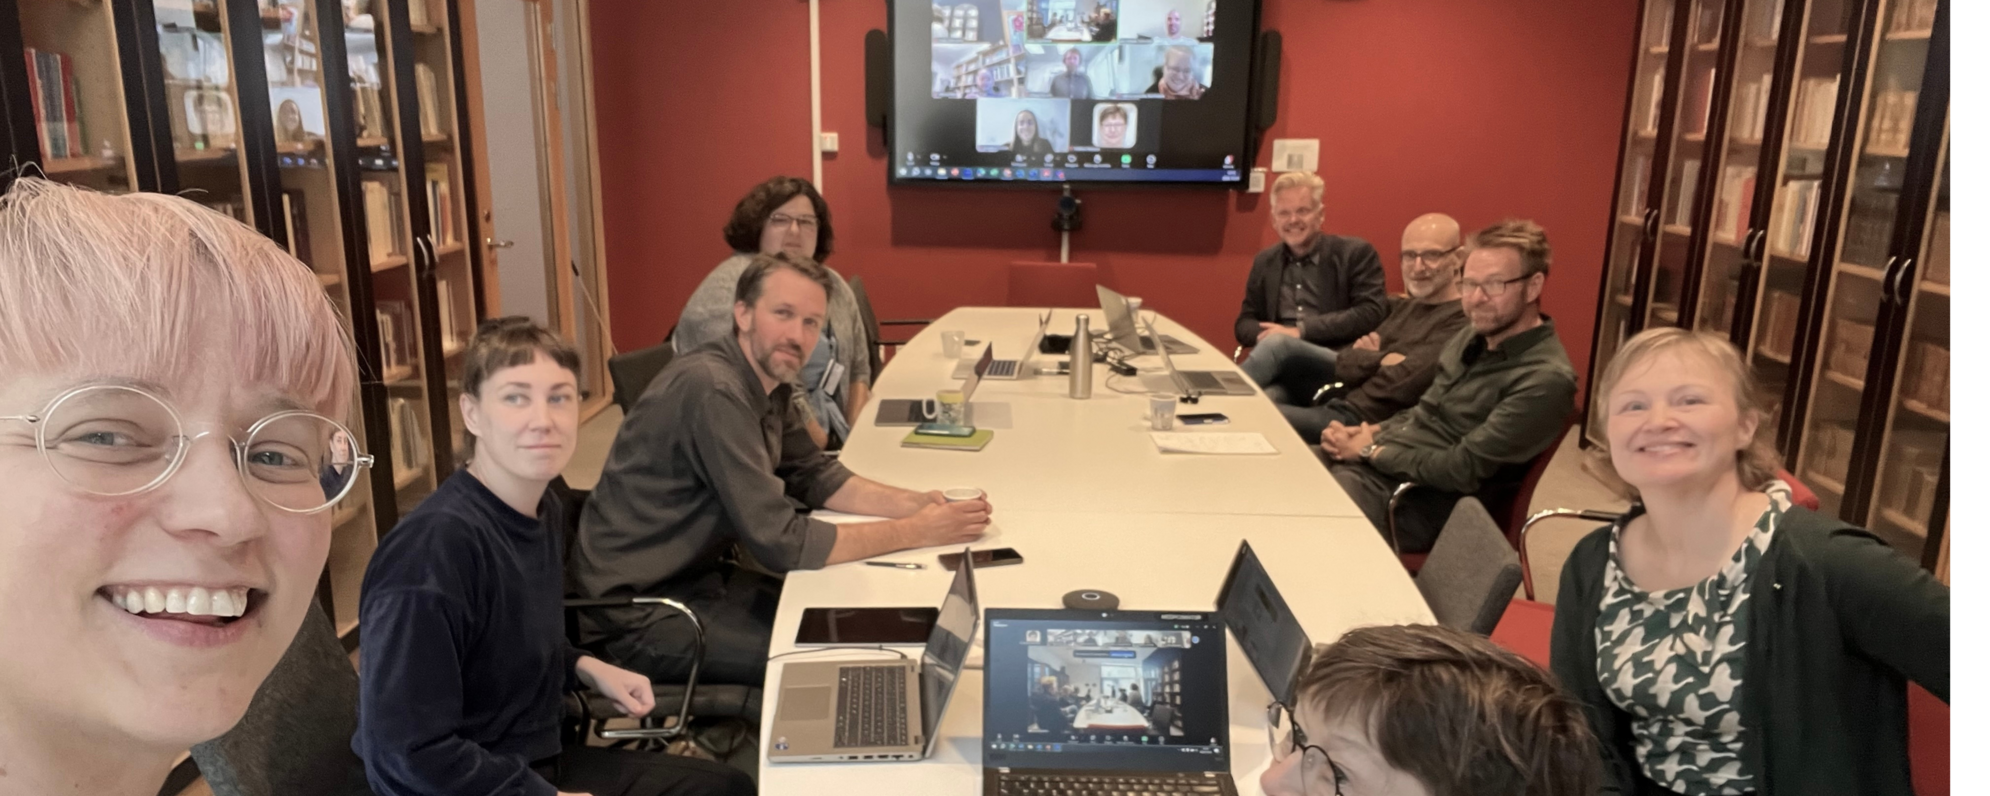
1477, 108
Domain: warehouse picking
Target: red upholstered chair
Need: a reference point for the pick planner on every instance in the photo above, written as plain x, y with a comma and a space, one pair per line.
1508, 507
1927, 742
1040, 284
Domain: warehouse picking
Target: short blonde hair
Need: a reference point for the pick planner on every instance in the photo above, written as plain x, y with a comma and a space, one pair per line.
1757, 464
1524, 237
133, 285
1301, 179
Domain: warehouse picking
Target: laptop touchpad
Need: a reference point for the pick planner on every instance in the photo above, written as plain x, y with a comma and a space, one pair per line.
805, 703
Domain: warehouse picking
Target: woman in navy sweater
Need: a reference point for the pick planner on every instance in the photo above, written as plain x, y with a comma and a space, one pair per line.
464, 655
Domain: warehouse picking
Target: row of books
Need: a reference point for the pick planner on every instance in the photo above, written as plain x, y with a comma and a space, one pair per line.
1685, 191
1829, 450
1937, 268
1795, 219
52, 88
1637, 185
1913, 470
1926, 381
1816, 106
371, 113
1699, 102
1892, 123
1751, 108
397, 335
1851, 348
1733, 203
410, 448
1779, 324
441, 204
1912, 16
1869, 227
431, 106
297, 235
383, 219
1765, 20
445, 315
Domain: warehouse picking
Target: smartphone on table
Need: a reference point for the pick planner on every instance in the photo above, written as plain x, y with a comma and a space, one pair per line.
1204, 419
983, 559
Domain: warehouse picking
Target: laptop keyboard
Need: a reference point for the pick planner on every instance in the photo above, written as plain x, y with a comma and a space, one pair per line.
1003, 368
1106, 785
870, 709
1203, 381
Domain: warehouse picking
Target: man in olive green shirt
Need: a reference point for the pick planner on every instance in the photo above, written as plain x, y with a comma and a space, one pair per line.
1503, 392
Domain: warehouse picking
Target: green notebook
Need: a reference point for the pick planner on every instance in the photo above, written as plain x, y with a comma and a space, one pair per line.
972, 443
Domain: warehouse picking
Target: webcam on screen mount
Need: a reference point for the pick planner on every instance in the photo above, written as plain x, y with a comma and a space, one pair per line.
1067, 219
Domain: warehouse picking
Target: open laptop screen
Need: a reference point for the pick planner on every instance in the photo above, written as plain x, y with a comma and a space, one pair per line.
1113, 690
946, 649
1266, 630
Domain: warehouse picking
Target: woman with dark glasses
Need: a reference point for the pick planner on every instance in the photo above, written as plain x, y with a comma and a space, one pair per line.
1421, 710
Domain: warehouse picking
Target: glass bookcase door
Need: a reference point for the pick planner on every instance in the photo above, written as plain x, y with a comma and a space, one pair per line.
1627, 239
443, 186
1730, 219
1688, 147
78, 84
390, 251
1899, 58
202, 108
311, 223
1912, 454
1786, 248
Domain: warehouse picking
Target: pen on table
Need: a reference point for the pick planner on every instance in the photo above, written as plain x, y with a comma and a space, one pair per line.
896, 564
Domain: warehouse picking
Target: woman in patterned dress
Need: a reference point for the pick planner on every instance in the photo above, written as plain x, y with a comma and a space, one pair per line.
1725, 641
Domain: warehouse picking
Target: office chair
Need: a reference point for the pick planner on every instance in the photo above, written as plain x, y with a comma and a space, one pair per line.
632, 372
1470, 574
296, 738
872, 326
1506, 501
589, 712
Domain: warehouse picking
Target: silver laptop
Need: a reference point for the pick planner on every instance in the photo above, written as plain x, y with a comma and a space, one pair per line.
1010, 369
1196, 382
844, 711
1122, 329
912, 412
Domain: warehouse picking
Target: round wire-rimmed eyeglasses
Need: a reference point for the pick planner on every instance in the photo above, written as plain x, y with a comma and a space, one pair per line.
1317, 772
114, 440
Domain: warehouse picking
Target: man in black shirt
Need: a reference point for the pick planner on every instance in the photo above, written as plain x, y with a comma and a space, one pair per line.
708, 458
1388, 369
1308, 295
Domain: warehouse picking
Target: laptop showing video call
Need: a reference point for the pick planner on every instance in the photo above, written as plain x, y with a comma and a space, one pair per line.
1266, 631
1107, 701
1195, 382
912, 411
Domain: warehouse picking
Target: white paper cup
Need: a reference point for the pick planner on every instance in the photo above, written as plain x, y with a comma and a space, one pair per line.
951, 343
962, 494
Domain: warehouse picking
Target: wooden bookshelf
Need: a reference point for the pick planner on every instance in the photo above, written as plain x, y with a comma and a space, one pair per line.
390, 263
1910, 35
447, 249
1678, 229
1883, 152
1772, 355
83, 165
330, 280
1828, 38
435, 138
1855, 385
425, 30
1906, 523
1815, 480
371, 141
398, 373
1924, 410
404, 478
1862, 271
198, 156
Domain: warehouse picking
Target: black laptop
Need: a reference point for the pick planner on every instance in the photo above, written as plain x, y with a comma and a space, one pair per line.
1105, 702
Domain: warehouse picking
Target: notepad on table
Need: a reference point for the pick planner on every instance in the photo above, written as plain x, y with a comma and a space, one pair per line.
971, 443
1226, 443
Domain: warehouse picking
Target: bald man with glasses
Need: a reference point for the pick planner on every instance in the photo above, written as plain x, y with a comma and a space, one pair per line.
1503, 391
1386, 371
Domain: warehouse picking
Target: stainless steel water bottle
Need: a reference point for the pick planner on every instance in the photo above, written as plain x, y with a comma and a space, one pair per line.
1081, 358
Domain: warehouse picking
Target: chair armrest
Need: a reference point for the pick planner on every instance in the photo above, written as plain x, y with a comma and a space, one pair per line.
1527, 566
1238, 355
1395, 498
690, 683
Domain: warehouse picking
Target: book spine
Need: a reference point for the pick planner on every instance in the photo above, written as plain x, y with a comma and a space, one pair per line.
34, 96
49, 71
72, 128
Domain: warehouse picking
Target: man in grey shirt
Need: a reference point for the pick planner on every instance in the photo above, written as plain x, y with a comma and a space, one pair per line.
709, 458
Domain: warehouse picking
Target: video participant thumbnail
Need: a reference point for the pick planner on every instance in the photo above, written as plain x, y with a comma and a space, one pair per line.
976, 71
1168, 21
1071, 20
1028, 130
1171, 71
1075, 71
966, 21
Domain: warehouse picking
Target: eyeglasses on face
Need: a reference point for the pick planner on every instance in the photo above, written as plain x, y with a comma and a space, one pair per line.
1493, 288
1433, 257
114, 440
1318, 774
783, 221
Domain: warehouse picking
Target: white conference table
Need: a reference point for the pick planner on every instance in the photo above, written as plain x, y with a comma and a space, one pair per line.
1081, 492
1056, 453
1335, 573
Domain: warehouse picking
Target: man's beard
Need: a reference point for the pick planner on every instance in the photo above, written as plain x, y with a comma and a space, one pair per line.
1502, 323
774, 367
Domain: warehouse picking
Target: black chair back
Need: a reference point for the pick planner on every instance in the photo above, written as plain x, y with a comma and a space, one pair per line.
870, 317
633, 372
1471, 573
297, 736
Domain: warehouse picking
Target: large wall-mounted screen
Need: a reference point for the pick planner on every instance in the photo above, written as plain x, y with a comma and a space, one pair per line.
1071, 90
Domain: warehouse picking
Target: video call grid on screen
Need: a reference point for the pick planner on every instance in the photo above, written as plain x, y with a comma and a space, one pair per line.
1063, 90
1089, 694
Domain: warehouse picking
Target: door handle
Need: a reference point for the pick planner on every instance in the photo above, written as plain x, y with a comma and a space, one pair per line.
1902, 289
1651, 223
498, 244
